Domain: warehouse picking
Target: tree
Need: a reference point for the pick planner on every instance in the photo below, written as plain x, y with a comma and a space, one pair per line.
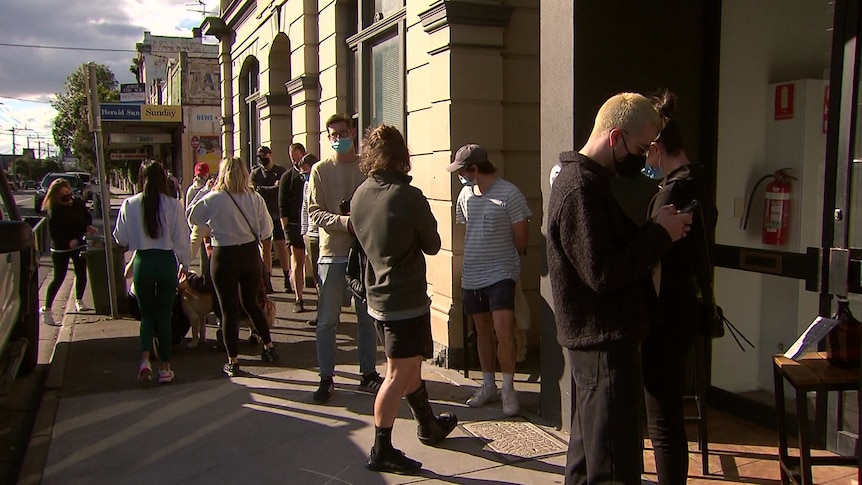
136, 67
71, 130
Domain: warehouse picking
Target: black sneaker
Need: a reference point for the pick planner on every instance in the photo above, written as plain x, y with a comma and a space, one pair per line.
298, 306
269, 355
324, 390
253, 339
370, 382
312, 323
232, 370
392, 461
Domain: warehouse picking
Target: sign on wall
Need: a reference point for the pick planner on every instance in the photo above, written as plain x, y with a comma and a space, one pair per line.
784, 101
141, 112
140, 139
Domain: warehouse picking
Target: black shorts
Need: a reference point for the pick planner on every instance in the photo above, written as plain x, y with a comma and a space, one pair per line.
294, 236
277, 231
403, 339
499, 296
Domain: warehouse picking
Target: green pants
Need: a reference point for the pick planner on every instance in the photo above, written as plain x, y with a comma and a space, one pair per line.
155, 275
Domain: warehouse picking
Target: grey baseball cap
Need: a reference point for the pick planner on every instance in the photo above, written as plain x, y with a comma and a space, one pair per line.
470, 154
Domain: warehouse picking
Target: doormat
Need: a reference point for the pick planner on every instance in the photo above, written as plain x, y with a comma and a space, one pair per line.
515, 439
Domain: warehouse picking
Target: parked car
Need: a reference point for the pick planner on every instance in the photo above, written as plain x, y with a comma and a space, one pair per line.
30, 184
74, 181
19, 286
87, 181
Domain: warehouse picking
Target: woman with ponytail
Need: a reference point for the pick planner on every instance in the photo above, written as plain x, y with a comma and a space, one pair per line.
153, 224
682, 275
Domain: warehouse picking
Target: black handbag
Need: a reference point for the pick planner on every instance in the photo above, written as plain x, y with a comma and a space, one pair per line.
713, 321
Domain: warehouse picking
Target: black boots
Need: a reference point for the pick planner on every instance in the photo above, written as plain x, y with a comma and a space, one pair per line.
431, 429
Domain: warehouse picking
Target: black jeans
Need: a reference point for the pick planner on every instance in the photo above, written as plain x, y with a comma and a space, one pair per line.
60, 262
237, 273
664, 354
605, 444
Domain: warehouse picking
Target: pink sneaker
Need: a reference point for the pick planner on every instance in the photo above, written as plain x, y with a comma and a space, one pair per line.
166, 376
145, 372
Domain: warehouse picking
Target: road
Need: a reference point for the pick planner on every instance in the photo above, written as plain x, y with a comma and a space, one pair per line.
24, 199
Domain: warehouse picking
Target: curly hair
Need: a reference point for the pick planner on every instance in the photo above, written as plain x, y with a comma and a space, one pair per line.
384, 149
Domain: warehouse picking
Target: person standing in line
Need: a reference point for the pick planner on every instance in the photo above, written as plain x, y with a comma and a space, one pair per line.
332, 183
68, 222
599, 262
309, 229
265, 177
497, 219
238, 220
683, 273
291, 188
197, 189
394, 225
153, 224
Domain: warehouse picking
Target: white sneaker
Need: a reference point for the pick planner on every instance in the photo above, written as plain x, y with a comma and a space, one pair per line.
81, 306
46, 316
510, 402
482, 396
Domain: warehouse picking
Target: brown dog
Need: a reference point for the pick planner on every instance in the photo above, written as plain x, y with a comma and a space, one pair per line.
196, 305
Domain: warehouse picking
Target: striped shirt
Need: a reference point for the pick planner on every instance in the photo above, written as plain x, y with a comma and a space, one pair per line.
307, 227
489, 246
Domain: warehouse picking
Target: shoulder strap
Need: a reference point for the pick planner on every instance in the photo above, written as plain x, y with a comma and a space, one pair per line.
253, 232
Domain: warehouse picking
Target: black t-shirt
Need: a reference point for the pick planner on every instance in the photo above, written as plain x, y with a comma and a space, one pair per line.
265, 182
68, 222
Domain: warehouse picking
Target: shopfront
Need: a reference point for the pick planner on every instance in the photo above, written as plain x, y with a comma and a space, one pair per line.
763, 86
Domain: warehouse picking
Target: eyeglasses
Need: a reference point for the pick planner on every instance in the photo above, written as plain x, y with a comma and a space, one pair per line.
337, 135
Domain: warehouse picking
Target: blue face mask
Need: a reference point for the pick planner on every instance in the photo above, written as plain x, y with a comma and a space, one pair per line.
342, 145
466, 181
655, 173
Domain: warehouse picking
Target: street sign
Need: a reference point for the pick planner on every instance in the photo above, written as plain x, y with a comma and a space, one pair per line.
133, 93
196, 142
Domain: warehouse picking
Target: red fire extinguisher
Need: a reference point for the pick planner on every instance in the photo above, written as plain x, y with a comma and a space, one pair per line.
776, 212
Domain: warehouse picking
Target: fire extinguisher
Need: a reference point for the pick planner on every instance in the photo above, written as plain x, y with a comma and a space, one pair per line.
776, 211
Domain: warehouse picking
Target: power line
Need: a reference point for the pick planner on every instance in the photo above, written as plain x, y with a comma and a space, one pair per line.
25, 100
65, 48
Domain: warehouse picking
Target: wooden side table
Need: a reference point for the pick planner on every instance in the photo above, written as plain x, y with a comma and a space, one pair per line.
812, 373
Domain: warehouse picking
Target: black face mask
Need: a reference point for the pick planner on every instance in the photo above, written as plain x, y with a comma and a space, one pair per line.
631, 164
262, 160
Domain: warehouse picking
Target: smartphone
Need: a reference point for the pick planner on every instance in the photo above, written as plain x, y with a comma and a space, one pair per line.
690, 207
344, 206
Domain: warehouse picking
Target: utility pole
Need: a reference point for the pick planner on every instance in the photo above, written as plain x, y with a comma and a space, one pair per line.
96, 127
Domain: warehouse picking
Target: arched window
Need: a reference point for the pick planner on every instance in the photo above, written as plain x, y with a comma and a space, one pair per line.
249, 90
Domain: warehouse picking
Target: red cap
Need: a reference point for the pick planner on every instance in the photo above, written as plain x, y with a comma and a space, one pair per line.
202, 169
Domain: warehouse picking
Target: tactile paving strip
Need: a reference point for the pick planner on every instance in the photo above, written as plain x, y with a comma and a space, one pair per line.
515, 439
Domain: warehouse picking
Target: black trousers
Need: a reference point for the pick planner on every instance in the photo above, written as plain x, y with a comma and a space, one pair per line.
237, 273
664, 353
60, 263
605, 444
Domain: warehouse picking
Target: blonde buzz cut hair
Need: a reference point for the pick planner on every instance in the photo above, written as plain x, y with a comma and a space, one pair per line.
631, 112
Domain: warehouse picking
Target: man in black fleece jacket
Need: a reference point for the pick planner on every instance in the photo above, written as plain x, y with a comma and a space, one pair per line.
598, 260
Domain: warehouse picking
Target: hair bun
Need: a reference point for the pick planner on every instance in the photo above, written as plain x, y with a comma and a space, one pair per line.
665, 103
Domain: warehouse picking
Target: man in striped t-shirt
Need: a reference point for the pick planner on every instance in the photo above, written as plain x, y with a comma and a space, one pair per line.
497, 218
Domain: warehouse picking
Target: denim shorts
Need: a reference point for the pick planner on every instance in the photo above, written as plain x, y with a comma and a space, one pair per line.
499, 296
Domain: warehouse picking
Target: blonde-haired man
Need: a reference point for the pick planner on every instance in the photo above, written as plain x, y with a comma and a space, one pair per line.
598, 260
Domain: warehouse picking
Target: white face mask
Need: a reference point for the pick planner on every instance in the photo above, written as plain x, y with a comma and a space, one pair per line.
465, 181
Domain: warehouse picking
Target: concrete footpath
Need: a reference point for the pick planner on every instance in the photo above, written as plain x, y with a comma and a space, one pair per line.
96, 424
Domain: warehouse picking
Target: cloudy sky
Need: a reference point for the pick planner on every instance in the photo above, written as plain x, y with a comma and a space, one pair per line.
30, 76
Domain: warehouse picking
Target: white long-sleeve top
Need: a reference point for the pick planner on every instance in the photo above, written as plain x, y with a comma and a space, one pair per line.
229, 227
131, 232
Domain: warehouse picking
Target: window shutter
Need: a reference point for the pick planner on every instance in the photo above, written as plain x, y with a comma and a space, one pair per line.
386, 82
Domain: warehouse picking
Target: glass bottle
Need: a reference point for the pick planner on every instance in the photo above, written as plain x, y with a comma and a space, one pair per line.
844, 341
